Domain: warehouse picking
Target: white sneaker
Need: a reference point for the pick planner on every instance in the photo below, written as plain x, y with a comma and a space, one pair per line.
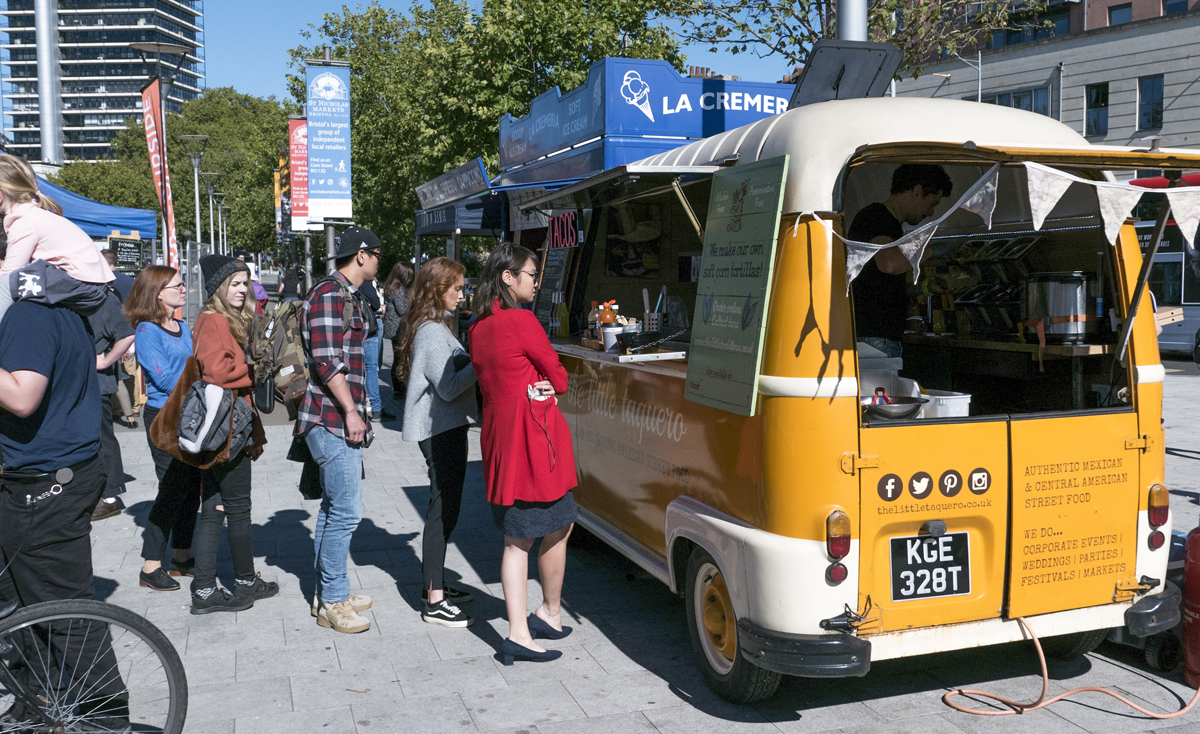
341, 617
360, 603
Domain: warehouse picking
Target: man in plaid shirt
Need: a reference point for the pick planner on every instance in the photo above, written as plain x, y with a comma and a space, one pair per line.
332, 419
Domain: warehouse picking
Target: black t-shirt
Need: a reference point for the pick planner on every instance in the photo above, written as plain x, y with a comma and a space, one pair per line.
880, 299
291, 283
371, 296
65, 429
109, 327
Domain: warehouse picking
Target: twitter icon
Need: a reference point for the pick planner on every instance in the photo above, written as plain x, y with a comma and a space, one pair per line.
920, 485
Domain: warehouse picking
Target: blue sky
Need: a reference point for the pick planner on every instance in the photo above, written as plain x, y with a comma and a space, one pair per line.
247, 43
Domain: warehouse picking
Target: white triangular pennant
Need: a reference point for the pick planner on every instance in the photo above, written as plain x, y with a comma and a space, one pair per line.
983, 201
1046, 187
913, 245
858, 254
1116, 202
1185, 208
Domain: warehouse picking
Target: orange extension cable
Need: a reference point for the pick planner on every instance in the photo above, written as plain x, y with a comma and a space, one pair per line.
1020, 708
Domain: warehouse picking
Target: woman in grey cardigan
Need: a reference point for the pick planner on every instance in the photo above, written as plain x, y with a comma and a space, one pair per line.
438, 409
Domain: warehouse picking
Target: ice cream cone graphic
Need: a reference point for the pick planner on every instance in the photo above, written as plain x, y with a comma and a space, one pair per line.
637, 93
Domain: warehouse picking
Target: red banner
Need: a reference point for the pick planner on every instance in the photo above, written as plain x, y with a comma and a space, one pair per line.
298, 145
155, 144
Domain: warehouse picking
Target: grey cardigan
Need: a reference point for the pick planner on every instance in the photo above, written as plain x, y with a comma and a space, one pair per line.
439, 396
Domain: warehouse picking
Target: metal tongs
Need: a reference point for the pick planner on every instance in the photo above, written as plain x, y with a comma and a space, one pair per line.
881, 397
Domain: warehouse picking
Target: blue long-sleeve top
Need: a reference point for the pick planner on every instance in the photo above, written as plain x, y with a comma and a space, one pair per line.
162, 356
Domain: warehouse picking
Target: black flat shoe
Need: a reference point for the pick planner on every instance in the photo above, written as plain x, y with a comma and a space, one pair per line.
158, 579
510, 651
539, 627
183, 568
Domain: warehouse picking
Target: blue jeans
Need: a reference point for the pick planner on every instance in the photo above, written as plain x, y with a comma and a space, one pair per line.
340, 513
372, 351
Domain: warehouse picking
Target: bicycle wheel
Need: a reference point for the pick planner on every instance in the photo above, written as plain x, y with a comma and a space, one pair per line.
87, 666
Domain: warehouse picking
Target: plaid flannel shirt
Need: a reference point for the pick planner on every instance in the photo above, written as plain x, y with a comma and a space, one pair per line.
332, 348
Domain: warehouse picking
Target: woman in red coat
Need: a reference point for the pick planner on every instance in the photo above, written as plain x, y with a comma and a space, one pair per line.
528, 464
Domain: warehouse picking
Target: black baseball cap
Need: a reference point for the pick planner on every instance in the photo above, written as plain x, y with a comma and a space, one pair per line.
352, 240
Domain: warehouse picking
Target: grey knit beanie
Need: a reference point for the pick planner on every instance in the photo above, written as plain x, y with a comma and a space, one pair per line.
215, 269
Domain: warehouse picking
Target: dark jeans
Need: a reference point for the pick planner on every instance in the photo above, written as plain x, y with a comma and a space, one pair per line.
174, 510
446, 456
110, 451
48, 547
227, 485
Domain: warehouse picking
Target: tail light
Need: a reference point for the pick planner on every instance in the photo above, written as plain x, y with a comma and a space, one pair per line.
837, 534
1159, 505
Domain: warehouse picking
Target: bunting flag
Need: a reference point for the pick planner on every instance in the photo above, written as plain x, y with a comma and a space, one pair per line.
912, 245
983, 200
1116, 203
1185, 207
1046, 187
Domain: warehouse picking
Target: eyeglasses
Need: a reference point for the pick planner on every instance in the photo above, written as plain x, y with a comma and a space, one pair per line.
374, 253
177, 287
533, 275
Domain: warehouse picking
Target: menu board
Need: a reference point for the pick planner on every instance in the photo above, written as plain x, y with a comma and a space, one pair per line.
130, 254
553, 280
735, 280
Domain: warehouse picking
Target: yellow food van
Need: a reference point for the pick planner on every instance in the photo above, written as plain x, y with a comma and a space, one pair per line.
811, 537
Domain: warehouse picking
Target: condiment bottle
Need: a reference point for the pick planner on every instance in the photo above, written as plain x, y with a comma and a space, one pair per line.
607, 317
594, 320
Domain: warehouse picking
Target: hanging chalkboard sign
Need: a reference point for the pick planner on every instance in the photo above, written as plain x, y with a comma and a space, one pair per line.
553, 280
131, 254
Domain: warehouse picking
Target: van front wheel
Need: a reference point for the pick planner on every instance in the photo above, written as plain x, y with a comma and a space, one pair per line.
713, 628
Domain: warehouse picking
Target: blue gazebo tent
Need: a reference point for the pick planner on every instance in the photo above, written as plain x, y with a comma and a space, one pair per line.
99, 220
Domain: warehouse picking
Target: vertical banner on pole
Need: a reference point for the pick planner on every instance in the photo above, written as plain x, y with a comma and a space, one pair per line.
155, 130
329, 143
298, 175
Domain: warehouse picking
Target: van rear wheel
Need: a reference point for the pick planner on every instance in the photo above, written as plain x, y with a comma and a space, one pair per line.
1065, 647
713, 628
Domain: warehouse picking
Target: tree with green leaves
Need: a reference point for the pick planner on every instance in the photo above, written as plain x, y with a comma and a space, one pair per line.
245, 133
428, 87
922, 29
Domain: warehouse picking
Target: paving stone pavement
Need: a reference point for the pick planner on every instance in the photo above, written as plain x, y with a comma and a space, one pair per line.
627, 668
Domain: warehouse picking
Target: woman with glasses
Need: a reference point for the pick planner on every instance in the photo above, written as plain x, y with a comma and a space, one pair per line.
528, 462
162, 344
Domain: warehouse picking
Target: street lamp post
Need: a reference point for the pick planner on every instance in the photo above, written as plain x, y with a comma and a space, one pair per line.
212, 231
977, 65
219, 197
225, 229
194, 146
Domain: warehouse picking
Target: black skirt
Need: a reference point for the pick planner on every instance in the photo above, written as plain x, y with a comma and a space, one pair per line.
535, 519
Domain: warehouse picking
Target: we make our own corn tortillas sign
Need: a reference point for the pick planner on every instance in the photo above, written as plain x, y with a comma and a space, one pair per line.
735, 280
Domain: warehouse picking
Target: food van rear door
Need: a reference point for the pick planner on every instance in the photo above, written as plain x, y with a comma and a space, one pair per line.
1075, 510
920, 572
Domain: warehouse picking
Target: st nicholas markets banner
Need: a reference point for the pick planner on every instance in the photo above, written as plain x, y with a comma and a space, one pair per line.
329, 143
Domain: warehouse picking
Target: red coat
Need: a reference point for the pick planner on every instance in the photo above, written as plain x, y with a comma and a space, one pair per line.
526, 444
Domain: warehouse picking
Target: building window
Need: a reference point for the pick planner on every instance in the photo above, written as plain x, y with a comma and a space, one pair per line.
1170, 7
1119, 14
1150, 102
1032, 100
1096, 98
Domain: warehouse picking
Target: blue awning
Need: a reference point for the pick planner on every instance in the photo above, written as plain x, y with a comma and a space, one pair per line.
99, 220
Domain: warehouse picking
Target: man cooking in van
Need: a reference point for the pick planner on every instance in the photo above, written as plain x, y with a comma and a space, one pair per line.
880, 290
